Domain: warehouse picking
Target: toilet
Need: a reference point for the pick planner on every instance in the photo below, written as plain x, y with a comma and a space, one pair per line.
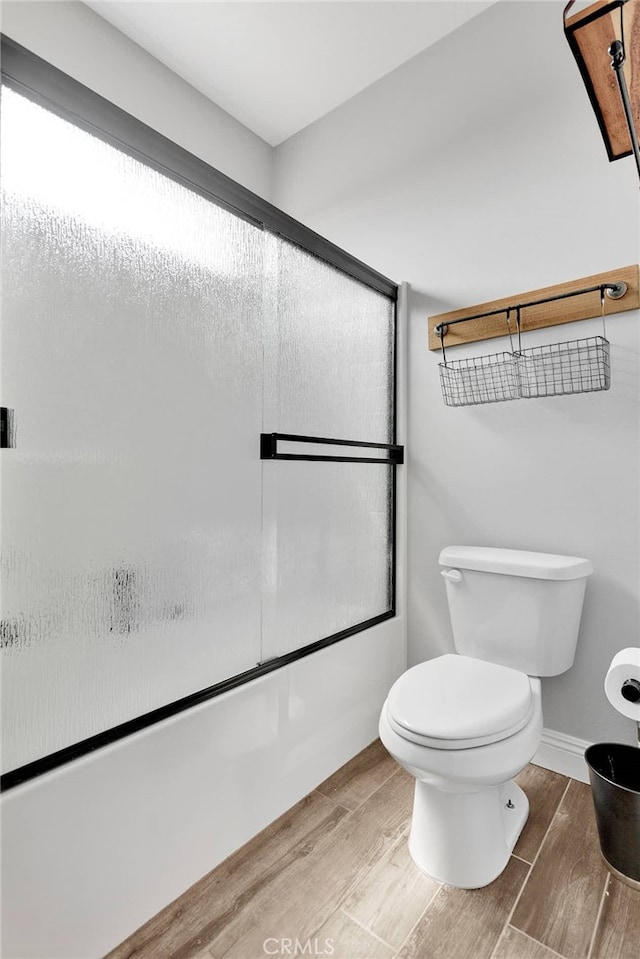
465, 723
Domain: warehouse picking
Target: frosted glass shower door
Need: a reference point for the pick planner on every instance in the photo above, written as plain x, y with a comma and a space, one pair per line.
149, 557
131, 505
328, 526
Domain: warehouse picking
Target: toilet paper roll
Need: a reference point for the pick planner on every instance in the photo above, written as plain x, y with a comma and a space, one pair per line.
624, 668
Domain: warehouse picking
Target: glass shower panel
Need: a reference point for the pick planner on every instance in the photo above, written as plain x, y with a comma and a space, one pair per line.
131, 505
330, 351
328, 560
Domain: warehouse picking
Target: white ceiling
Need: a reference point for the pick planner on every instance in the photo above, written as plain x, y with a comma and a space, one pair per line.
278, 66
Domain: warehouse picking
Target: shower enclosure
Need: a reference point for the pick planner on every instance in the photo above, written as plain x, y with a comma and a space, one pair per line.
157, 320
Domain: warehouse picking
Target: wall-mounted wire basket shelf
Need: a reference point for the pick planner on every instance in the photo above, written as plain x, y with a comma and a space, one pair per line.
557, 369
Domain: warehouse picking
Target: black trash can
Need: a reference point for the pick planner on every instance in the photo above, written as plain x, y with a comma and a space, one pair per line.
614, 771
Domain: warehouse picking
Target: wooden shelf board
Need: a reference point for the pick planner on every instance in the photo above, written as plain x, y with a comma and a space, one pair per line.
538, 317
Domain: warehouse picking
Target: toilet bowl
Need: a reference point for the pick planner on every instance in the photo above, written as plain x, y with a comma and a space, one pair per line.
468, 812
465, 724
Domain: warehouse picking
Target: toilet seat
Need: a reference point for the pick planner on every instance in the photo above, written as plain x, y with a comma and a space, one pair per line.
457, 702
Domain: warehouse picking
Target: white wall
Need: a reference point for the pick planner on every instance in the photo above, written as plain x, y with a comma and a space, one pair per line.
75, 39
477, 171
93, 849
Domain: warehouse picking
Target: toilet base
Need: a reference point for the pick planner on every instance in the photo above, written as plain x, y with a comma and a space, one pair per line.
465, 839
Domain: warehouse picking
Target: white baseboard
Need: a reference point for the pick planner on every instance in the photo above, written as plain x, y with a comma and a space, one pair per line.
563, 754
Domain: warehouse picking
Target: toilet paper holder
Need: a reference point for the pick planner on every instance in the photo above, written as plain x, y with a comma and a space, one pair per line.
622, 684
630, 690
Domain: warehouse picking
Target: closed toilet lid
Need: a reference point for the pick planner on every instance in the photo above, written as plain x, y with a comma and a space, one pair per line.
455, 702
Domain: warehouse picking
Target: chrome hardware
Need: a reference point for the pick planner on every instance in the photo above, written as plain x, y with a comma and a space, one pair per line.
617, 290
453, 575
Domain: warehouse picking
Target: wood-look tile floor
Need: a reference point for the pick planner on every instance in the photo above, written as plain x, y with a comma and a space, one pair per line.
333, 877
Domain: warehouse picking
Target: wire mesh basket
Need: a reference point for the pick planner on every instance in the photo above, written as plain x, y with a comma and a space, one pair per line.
559, 369
481, 379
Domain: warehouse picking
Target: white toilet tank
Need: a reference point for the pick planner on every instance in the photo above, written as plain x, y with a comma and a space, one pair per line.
515, 608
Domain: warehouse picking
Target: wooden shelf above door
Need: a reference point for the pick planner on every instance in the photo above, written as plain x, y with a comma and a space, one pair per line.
538, 317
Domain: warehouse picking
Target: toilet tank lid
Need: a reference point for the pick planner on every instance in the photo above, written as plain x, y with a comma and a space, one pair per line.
516, 562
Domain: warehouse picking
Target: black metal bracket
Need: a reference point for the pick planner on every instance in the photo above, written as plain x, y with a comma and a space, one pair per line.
7, 428
269, 450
